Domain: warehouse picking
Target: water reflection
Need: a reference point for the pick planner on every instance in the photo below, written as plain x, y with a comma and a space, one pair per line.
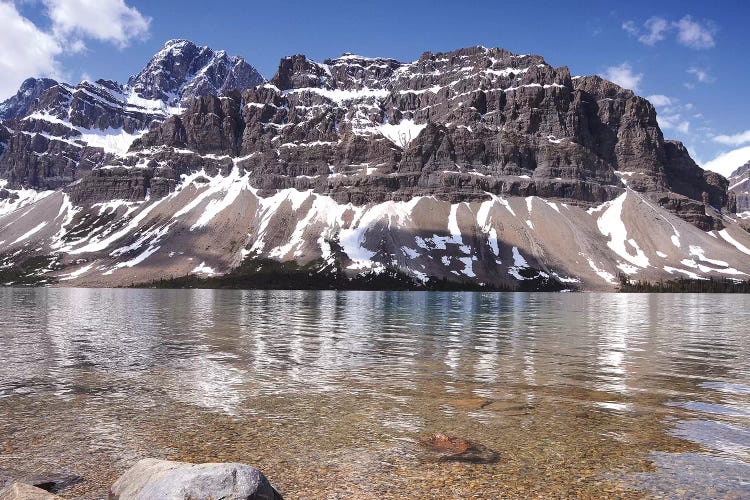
391, 359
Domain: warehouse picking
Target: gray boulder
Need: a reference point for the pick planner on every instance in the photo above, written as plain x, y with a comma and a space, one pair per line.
152, 478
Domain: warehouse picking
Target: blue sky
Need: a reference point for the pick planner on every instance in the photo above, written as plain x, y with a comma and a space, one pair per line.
692, 55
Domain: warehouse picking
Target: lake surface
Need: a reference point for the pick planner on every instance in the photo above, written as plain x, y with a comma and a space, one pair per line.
329, 393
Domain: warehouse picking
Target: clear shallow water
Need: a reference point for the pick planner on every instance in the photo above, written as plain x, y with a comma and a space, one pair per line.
329, 392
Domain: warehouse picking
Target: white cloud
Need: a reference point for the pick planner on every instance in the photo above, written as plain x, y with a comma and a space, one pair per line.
701, 75
728, 162
33, 51
694, 154
690, 33
694, 34
29, 51
673, 114
656, 29
104, 20
631, 28
659, 100
673, 121
623, 76
733, 140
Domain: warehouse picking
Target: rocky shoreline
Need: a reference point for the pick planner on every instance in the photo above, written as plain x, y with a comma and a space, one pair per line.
152, 478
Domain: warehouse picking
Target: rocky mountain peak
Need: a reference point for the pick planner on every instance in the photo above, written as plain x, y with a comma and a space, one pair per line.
298, 71
740, 171
20, 104
182, 70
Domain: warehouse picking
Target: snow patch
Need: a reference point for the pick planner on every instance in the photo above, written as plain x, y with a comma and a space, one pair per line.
31, 233
202, 268
519, 263
689, 274
22, 198
729, 239
605, 275
402, 133
610, 224
79, 272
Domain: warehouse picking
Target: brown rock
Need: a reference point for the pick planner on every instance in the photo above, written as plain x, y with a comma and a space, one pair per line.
454, 449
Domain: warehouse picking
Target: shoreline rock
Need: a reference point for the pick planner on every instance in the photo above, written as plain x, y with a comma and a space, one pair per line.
53, 482
152, 478
22, 491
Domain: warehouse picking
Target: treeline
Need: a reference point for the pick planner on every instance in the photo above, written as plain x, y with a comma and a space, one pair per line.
684, 285
268, 274
29, 272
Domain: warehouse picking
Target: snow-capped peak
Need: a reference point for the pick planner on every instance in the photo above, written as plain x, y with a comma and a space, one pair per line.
182, 69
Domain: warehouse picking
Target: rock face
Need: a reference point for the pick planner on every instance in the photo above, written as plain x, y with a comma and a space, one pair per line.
210, 125
739, 183
19, 105
151, 478
456, 125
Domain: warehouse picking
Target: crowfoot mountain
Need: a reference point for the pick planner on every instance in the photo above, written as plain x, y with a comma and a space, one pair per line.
476, 168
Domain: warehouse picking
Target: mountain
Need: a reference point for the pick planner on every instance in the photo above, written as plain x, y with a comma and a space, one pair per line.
65, 131
739, 184
19, 105
182, 70
471, 168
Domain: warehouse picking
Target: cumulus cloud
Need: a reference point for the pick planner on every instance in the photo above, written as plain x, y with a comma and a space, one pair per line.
35, 51
733, 140
631, 28
694, 34
671, 113
656, 31
29, 50
623, 76
701, 75
673, 121
687, 31
659, 100
104, 20
728, 162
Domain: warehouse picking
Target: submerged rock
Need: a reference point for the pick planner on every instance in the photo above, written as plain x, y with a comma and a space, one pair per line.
21, 491
151, 478
454, 449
